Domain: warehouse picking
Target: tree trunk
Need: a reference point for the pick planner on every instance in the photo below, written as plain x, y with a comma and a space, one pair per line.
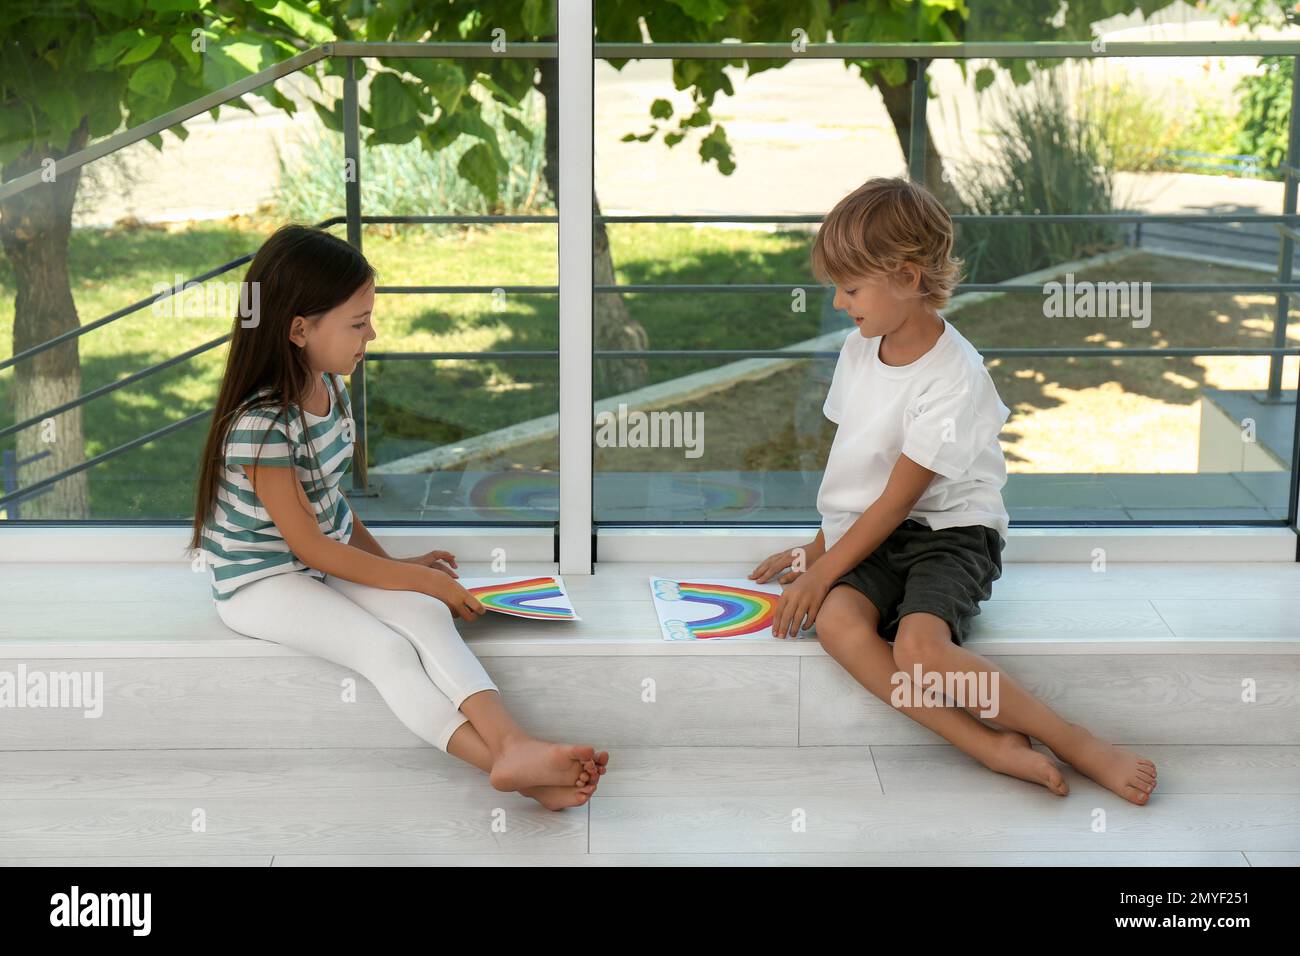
898, 101
612, 327
34, 230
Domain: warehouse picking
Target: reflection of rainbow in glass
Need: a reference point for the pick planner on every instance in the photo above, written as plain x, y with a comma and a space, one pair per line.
739, 610
523, 493
518, 597
718, 495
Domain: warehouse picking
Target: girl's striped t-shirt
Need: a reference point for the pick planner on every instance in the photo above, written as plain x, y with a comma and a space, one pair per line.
240, 541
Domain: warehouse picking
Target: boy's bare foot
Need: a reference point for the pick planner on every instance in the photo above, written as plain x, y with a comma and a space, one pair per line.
1118, 770
1012, 755
560, 798
528, 762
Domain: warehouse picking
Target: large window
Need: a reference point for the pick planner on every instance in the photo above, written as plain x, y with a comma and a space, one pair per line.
1128, 234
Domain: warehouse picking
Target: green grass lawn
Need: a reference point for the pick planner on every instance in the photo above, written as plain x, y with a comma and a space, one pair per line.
413, 405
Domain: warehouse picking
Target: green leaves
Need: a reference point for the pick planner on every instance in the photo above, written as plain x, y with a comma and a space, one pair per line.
106, 49
64, 112
539, 17
153, 80
122, 9
516, 126
300, 21
330, 118
705, 11
479, 168
716, 148
394, 114
446, 82
391, 104
141, 50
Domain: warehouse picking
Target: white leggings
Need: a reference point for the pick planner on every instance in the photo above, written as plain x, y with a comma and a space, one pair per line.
403, 642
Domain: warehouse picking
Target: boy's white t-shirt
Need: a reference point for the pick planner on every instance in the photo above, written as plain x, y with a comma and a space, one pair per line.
942, 411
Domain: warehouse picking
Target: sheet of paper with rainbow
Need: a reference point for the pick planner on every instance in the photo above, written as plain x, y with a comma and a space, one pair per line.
539, 597
713, 608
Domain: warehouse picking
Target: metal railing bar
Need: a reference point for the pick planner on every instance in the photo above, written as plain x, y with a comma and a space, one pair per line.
1245, 241
129, 137
1252, 287
773, 287
351, 116
135, 134
498, 354
1239, 247
467, 289
1009, 219
137, 306
1238, 235
472, 50
450, 50
104, 456
1059, 351
455, 219
1034, 50
1188, 351
114, 386
1083, 523
752, 288
119, 314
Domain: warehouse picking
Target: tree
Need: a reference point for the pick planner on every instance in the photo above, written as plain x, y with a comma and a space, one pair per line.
70, 73
74, 73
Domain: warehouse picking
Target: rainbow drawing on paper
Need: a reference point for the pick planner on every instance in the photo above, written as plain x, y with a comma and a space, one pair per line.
524, 597
712, 608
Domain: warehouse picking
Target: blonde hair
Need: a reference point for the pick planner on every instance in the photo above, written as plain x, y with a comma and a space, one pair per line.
881, 225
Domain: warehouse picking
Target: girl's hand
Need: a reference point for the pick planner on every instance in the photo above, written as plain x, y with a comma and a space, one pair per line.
801, 600
442, 561
782, 560
461, 603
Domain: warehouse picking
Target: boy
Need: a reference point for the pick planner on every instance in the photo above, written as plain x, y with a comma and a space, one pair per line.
913, 523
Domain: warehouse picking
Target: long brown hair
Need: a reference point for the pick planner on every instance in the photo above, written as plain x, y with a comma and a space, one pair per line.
299, 270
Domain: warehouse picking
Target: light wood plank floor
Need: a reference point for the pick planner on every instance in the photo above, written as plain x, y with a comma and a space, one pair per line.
879, 805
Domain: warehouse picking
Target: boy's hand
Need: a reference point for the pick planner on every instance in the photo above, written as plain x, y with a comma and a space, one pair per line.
778, 562
801, 600
442, 561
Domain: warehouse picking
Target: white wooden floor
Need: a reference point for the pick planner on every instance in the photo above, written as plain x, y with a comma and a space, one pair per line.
880, 804
1223, 806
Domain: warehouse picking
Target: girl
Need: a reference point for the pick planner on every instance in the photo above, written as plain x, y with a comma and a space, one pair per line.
290, 561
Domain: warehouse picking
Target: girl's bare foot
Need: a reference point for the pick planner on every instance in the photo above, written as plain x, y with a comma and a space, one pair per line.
528, 762
560, 798
593, 769
1118, 770
1012, 755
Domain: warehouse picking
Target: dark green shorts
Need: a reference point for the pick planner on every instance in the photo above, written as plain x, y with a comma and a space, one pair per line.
946, 573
